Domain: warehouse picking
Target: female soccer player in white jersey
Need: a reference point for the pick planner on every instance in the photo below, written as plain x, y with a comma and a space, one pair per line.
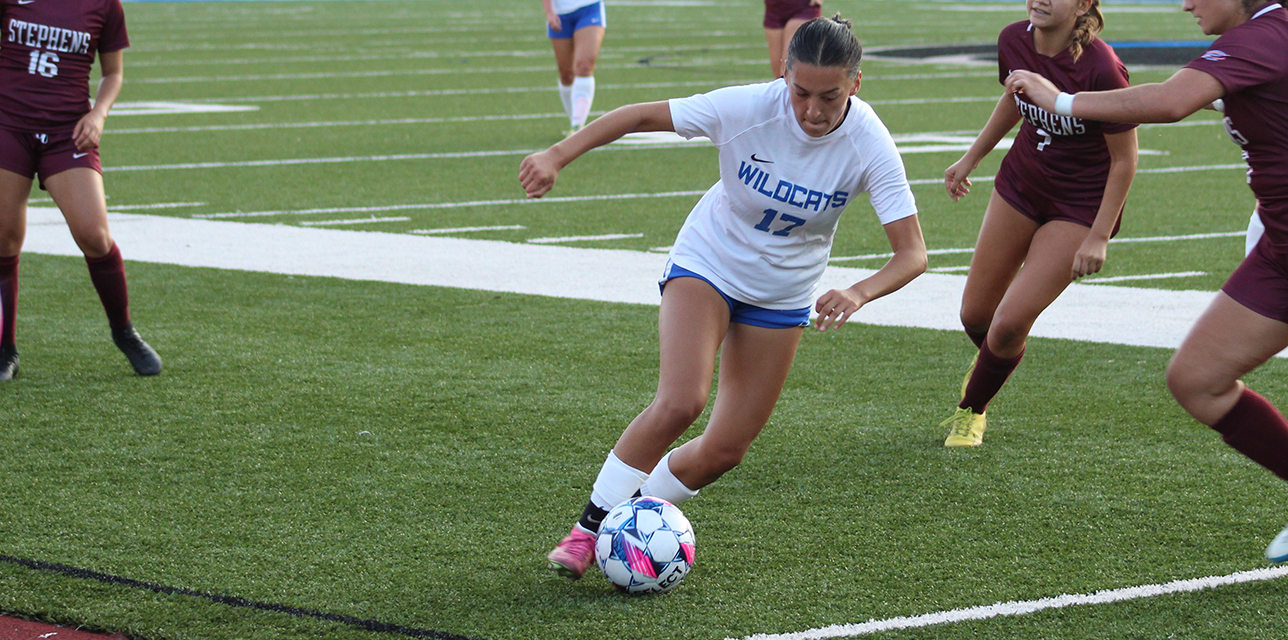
1056, 199
742, 272
1247, 322
576, 30
48, 128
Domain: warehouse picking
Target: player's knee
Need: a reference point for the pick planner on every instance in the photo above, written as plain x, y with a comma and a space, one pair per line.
94, 243
583, 68
1185, 383
679, 411
718, 460
975, 320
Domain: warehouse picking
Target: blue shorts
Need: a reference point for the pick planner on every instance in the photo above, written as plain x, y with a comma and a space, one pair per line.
591, 15
741, 312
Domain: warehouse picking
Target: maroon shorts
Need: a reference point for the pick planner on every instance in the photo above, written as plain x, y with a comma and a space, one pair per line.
43, 154
1261, 282
1036, 202
778, 12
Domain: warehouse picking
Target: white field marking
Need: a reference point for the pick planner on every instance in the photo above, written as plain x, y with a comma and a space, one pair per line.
430, 55
1151, 276
1097, 313
551, 88
1192, 236
491, 71
342, 123
1019, 608
964, 267
449, 205
319, 223
160, 205
431, 232
166, 108
611, 236
1203, 167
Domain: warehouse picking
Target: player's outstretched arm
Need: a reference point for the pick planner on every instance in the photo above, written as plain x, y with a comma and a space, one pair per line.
1005, 116
1187, 91
537, 172
909, 261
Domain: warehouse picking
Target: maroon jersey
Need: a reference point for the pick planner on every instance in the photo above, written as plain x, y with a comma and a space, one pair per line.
1249, 62
47, 48
1067, 155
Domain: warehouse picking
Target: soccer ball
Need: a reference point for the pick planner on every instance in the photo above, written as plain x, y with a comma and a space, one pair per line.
645, 545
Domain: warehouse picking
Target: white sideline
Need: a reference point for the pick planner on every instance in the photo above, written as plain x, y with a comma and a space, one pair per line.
1095, 313
1018, 608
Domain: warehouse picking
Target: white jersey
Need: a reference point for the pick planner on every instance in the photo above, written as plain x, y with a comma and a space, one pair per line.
564, 7
763, 233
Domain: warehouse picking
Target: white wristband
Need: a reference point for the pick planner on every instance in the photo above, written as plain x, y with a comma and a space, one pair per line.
1064, 104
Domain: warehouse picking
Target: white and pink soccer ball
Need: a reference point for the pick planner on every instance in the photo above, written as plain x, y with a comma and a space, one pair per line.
645, 545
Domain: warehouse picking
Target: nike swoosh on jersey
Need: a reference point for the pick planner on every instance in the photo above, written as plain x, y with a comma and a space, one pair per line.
25, 1
755, 159
79, 155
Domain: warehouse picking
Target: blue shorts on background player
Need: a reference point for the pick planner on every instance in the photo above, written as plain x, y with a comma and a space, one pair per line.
576, 31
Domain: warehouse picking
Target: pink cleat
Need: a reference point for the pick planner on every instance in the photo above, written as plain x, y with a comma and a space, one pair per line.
574, 554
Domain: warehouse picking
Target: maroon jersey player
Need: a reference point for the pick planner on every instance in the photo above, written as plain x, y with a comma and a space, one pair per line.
49, 130
1056, 200
1247, 322
782, 19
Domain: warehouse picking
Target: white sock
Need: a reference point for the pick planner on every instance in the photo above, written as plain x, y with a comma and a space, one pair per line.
663, 484
583, 95
616, 483
565, 96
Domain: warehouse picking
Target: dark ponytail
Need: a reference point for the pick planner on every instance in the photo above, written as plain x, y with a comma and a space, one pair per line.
826, 42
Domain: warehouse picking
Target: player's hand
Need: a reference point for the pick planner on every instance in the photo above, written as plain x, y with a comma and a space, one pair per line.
1039, 90
815, 3
553, 21
955, 179
1090, 257
835, 307
537, 173
88, 131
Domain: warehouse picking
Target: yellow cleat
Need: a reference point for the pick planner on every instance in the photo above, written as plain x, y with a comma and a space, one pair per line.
965, 381
967, 428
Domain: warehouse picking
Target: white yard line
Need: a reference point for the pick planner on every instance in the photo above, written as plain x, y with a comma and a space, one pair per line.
1149, 276
447, 205
323, 223
1097, 313
611, 236
1018, 608
433, 232
1192, 236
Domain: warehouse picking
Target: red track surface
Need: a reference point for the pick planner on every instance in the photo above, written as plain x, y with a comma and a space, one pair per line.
16, 629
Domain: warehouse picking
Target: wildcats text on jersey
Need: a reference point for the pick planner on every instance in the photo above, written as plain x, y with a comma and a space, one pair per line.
788, 192
1050, 122
39, 36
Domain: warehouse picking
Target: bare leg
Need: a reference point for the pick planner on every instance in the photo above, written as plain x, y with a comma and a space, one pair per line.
999, 252
691, 324
1226, 342
774, 38
754, 363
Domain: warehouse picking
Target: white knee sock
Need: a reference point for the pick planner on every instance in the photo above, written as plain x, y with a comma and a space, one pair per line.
616, 483
663, 484
583, 95
565, 96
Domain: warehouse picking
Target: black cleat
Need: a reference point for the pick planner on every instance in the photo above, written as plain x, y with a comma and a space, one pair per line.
8, 362
145, 361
